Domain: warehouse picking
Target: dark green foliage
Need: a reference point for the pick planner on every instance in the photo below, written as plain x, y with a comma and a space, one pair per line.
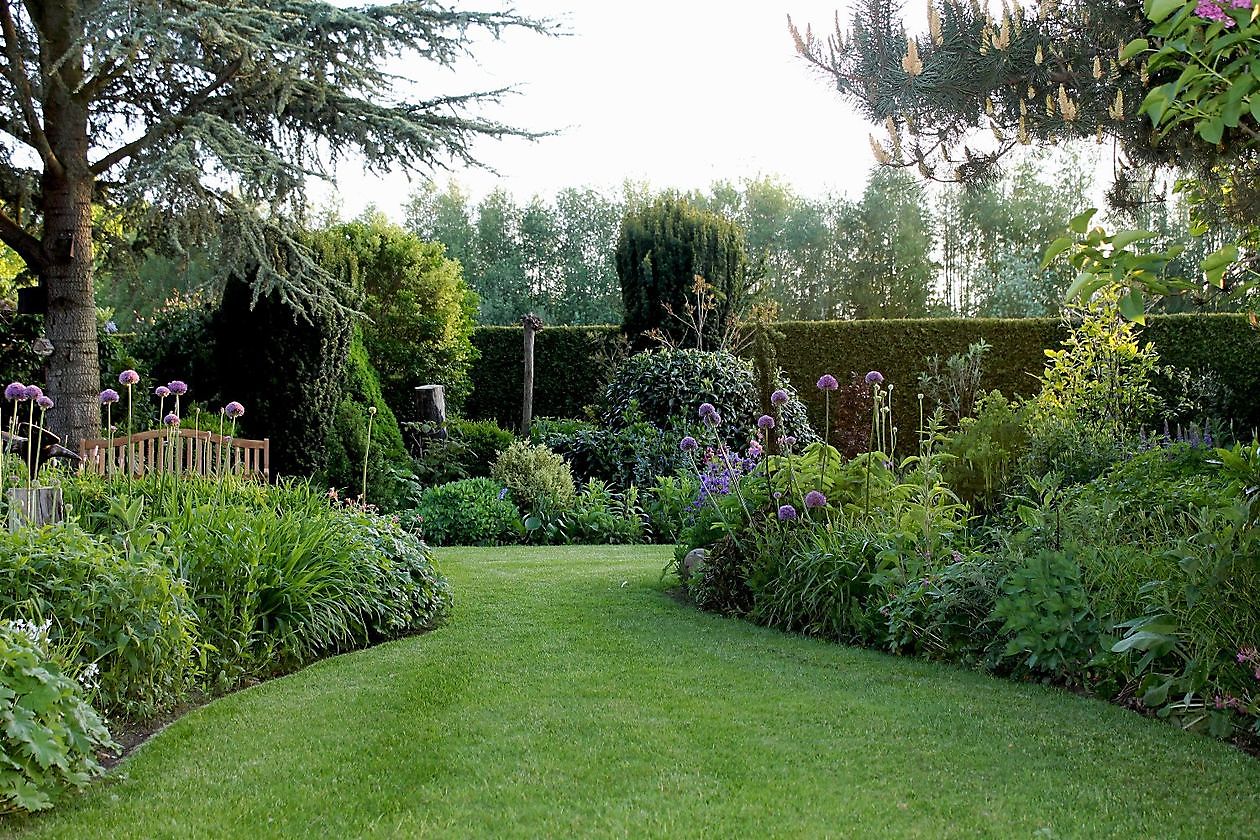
570, 367
419, 310
666, 387
388, 461
286, 368
178, 341
661, 248
484, 439
120, 600
985, 450
473, 511
17, 360
598, 515
1046, 610
1223, 347
669, 505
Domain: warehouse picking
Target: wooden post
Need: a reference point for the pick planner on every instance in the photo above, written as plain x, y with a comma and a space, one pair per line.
37, 506
431, 407
532, 324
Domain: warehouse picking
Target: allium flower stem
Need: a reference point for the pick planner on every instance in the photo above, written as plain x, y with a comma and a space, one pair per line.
130, 456
367, 450
30, 456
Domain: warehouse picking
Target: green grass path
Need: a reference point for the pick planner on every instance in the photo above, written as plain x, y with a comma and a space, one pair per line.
570, 696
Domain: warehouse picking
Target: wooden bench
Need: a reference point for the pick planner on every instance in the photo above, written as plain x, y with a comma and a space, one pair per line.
179, 451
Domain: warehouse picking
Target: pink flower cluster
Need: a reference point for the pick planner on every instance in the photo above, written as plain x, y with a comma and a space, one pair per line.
1250, 656
1215, 10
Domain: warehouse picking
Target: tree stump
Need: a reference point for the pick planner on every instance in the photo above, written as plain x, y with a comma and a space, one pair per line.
37, 506
431, 409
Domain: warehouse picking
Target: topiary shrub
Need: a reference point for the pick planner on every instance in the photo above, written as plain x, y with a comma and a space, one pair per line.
50, 733
484, 440
535, 476
473, 511
663, 387
388, 461
661, 249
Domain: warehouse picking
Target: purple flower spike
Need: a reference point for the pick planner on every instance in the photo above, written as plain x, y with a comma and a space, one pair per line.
874, 378
233, 410
765, 421
162, 391
754, 450
109, 395
44, 402
815, 499
171, 419
177, 387
34, 392
707, 410
688, 444
828, 383
128, 377
786, 512
779, 397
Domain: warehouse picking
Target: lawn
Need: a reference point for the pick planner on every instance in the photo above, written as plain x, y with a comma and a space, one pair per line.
571, 695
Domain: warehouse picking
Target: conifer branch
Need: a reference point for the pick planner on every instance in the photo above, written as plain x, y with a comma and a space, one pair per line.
16, 73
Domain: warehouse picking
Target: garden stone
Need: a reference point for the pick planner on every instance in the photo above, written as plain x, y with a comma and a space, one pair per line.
693, 563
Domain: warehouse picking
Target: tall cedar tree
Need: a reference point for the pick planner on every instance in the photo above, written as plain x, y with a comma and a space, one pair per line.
202, 119
661, 249
977, 84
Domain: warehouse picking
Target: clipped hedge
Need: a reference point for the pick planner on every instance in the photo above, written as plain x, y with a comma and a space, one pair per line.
572, 361
570, 366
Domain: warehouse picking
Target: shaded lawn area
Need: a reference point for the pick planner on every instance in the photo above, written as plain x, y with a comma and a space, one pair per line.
572, 696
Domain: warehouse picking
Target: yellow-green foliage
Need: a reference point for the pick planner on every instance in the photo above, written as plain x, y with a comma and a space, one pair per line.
535, 476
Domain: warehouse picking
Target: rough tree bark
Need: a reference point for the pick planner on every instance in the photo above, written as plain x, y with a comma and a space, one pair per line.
532, 324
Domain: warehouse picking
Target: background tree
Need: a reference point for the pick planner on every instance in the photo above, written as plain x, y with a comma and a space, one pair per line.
661, 249
202, 120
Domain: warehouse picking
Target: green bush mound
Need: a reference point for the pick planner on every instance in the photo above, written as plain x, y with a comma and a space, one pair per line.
484, 440
473, 511
535, 476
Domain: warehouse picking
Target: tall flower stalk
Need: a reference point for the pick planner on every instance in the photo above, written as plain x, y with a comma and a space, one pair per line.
33, 394
108, 397
873, 378
15, 392
129, 378
367, 449
827, 383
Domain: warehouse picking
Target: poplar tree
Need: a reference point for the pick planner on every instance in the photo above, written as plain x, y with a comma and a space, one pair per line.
200, 120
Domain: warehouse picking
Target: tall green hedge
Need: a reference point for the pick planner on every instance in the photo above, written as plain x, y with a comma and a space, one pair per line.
572, 362
570, 366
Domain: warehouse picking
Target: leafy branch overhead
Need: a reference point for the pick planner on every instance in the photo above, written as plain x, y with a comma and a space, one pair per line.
207, 118
957, 99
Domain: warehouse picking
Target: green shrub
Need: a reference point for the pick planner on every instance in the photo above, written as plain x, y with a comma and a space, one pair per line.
485, 441
598, 515
388, 461
535, 476
1046, 611
277, 577
985, 450
119, 602
420, 311
49, 733
661, 249
668, 503
474, 511
664, 387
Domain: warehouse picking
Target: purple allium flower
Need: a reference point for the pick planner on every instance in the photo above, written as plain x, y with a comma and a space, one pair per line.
109, 395
233, 409
15, 391
788, 441
713, 419
1215, 10
162, 391
827, 382
779, 397
34, 392
688, 444
786, 512
874, 378
44, 402
707, 410
178, 387
765, 421
171, 419
815, 499
128, 377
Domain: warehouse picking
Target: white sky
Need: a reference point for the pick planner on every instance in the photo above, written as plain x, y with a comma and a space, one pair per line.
677, 93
